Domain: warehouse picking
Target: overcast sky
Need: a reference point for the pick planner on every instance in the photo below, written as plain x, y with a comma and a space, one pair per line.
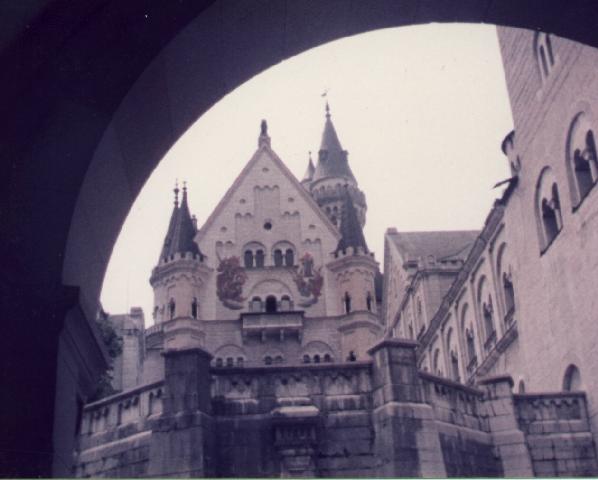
422, 111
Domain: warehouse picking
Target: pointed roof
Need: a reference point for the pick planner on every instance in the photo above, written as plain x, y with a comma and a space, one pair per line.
350, 228
265, 148
444, 245
309, 173
181, 229
332, 159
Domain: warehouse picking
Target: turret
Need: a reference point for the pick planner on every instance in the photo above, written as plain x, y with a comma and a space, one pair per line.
332, 177
177, 281
355, 270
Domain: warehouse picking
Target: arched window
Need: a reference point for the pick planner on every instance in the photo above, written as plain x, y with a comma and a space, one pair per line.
316, 358
471, 355
368, 301
548, 208
171, 309
327, 358
268, 360
256, 304
289, 258
436, 369
219, 362
521, 387
455, 366
351, 357
248, 259
240, 361
347, 302
572, 379
271, 306
420, 314
509, 292
278, 258
306, 359
278, 359
544, 54
487, 313
259, 259
230, 361
285, 303
194, 308
582, 158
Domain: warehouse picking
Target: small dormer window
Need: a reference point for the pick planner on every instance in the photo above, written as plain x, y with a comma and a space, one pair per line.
289, 258
278, 258
248, 259
368, 301
259, 259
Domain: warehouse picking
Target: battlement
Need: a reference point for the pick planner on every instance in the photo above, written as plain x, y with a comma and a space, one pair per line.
183, 256
352, 252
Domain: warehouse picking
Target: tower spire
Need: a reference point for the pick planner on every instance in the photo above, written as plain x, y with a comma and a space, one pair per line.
176, 193
181, 229
350, 227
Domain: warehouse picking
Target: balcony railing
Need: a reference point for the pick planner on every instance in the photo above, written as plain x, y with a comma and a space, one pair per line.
268, 324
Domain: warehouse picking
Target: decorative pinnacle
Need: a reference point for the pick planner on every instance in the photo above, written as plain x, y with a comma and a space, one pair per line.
327, 110
310, 156
264, 128
176, 192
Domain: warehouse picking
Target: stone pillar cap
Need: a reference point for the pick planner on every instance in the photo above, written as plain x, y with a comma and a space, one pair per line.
497, 379
183, 351
394, 343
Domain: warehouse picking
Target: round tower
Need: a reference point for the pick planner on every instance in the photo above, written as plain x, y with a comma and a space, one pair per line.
355, 270
331, 179
178, 282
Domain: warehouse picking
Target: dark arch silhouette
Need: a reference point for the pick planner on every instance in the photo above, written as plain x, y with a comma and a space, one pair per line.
81, 82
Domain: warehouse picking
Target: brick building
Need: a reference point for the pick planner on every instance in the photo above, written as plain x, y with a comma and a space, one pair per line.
275, 351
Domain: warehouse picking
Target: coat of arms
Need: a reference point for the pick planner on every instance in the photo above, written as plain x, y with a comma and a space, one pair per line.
309, 280
229, 283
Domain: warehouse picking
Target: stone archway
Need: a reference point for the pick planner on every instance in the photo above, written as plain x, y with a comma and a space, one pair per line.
93, 96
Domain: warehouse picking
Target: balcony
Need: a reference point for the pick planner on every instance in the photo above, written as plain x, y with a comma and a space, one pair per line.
279, 325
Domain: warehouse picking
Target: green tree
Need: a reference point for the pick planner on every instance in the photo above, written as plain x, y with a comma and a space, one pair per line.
114, 345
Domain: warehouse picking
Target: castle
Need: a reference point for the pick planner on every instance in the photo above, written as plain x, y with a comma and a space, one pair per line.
279, 349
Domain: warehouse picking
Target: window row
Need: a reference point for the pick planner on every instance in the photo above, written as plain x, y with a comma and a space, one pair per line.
171, 309
582, 175
256, 258
348, 302
271, 304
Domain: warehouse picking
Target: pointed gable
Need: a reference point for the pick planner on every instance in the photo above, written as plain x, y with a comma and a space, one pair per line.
266, 158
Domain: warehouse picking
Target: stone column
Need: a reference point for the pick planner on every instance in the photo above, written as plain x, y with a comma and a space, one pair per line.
182, 436
407, 443
508, 439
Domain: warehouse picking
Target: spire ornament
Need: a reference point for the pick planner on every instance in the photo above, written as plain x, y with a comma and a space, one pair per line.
264, 138
176, 192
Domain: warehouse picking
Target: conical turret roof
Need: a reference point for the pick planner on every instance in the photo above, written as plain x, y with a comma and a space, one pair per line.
309, 173
350, 228
181, 230
332, 159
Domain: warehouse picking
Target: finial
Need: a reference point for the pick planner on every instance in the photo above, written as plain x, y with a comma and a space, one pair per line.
264, 139
176, 192
310, 156
327, 110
